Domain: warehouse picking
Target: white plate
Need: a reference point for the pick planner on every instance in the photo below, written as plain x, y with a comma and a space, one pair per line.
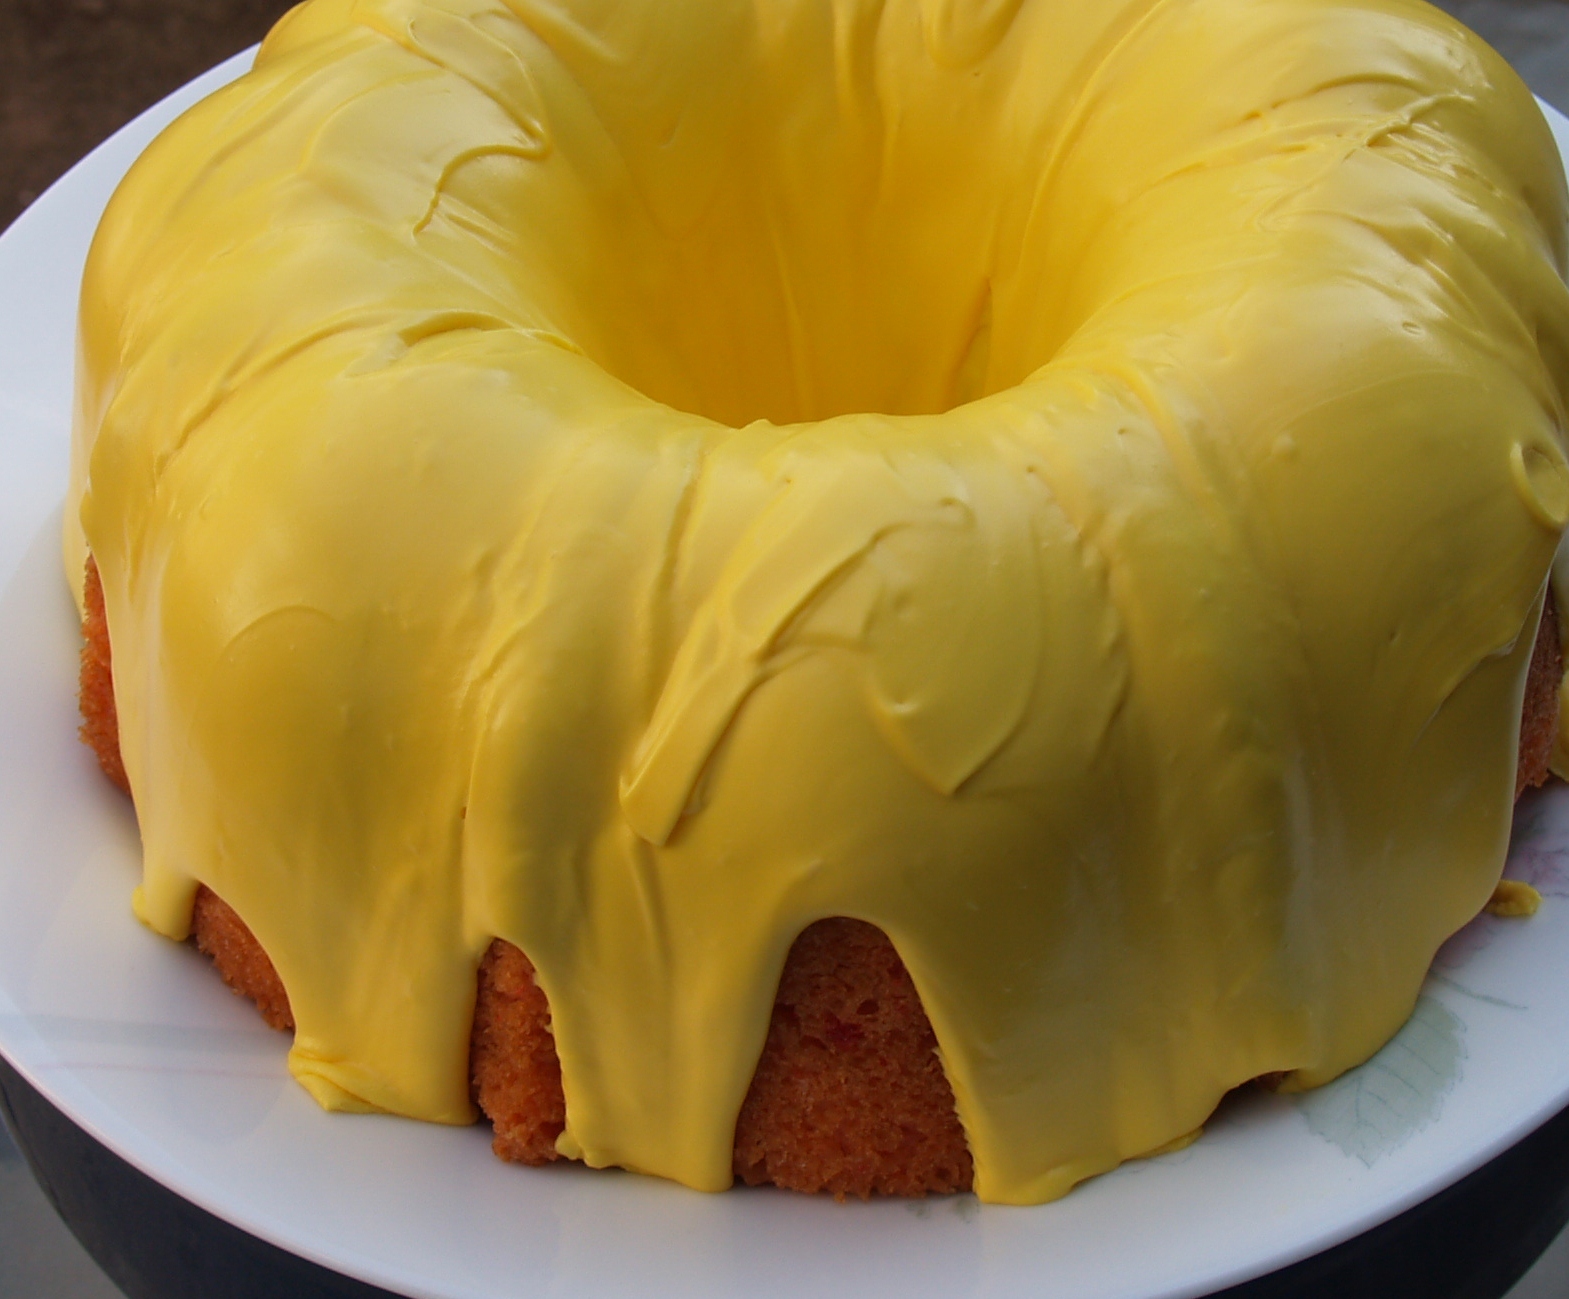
138, 1042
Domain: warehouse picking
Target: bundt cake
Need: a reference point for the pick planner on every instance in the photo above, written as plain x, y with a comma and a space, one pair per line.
882, 595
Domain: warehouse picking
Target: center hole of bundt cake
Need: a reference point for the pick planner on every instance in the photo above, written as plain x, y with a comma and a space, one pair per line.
736, 330
787, 264
770, 308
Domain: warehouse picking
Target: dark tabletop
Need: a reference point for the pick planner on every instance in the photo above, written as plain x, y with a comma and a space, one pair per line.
72, 71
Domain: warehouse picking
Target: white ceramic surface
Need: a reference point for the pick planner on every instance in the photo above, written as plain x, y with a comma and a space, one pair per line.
136, 1039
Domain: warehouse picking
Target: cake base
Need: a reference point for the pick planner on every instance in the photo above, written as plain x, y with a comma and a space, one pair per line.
849, 1096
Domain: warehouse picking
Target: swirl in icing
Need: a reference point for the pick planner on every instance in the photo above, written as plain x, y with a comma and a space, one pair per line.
1063, 483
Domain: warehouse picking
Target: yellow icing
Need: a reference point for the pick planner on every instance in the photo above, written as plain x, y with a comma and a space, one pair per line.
1514, 898
1069, 484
